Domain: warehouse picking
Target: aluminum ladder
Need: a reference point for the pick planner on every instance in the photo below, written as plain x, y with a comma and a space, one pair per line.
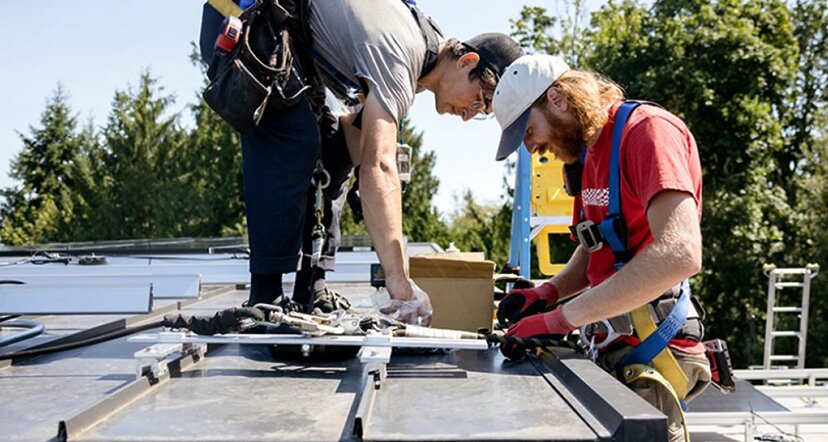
775, 282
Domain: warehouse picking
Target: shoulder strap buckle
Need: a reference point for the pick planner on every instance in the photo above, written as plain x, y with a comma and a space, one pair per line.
589, 235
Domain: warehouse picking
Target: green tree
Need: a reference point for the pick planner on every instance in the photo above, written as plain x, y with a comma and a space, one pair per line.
41, 209
560, 34
90, 179
213, 160
147, 189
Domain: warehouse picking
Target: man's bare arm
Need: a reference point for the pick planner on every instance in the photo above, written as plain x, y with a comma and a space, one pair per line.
674, 254
381, 194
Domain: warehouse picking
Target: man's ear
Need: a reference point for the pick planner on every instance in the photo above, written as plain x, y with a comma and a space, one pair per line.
556, 99
468, 61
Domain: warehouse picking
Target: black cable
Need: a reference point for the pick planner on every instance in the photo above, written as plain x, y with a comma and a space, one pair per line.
529, 342
82, 343
8, 317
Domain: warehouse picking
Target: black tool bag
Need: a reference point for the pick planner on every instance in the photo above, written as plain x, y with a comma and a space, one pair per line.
260, 73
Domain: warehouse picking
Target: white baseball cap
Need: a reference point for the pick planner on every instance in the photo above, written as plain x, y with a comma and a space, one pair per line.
523, 82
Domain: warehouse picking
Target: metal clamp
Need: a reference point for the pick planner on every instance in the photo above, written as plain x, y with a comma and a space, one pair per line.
152, 361
376, 361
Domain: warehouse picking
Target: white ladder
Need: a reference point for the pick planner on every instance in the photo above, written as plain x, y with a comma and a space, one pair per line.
775, 282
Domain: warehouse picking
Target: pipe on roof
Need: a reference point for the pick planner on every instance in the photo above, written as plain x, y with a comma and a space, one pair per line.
31, 329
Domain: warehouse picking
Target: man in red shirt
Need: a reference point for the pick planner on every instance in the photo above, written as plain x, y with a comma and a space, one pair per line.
572, 114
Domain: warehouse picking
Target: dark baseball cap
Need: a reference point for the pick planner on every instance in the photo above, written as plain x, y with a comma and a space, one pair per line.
497, 50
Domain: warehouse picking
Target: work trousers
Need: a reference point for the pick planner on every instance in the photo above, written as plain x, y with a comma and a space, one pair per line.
278, 160
697, 369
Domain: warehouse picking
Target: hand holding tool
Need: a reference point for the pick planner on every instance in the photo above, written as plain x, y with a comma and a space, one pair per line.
551, 325
520, 303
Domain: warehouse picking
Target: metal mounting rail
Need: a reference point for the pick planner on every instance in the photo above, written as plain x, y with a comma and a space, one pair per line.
811, 374
796, 391
378, 340
147, 379
375, 360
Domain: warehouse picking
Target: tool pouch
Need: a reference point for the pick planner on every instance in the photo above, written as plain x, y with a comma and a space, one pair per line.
721, 370
260, 74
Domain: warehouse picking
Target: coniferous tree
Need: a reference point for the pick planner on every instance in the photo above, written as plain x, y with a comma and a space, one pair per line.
147, 193
41, 208
90, 191
213, 159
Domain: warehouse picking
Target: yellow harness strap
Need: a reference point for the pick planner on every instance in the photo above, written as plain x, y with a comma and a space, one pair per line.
664, 362
636, 372
226, 7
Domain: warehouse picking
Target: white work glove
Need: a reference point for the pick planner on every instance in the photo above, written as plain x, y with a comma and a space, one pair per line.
413, 311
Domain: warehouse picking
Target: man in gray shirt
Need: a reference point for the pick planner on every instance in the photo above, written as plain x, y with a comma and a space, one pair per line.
383, 52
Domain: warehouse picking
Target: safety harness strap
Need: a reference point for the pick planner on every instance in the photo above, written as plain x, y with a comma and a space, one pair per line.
621, 118
654, 340
613, 228
658, 338
639, 372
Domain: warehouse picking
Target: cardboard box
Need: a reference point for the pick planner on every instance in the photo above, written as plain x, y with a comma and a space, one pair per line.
460, 286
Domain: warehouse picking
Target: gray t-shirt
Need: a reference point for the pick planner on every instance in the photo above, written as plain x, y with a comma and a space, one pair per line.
377, 41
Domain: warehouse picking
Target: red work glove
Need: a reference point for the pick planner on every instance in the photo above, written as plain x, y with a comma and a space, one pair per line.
520, 303
552, 325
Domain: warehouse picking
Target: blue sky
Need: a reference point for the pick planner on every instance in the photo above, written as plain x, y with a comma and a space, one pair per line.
95, 47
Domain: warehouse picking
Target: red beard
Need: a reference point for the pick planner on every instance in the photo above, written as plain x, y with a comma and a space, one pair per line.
568, 137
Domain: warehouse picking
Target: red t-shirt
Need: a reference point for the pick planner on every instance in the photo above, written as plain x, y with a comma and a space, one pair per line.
657, 153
